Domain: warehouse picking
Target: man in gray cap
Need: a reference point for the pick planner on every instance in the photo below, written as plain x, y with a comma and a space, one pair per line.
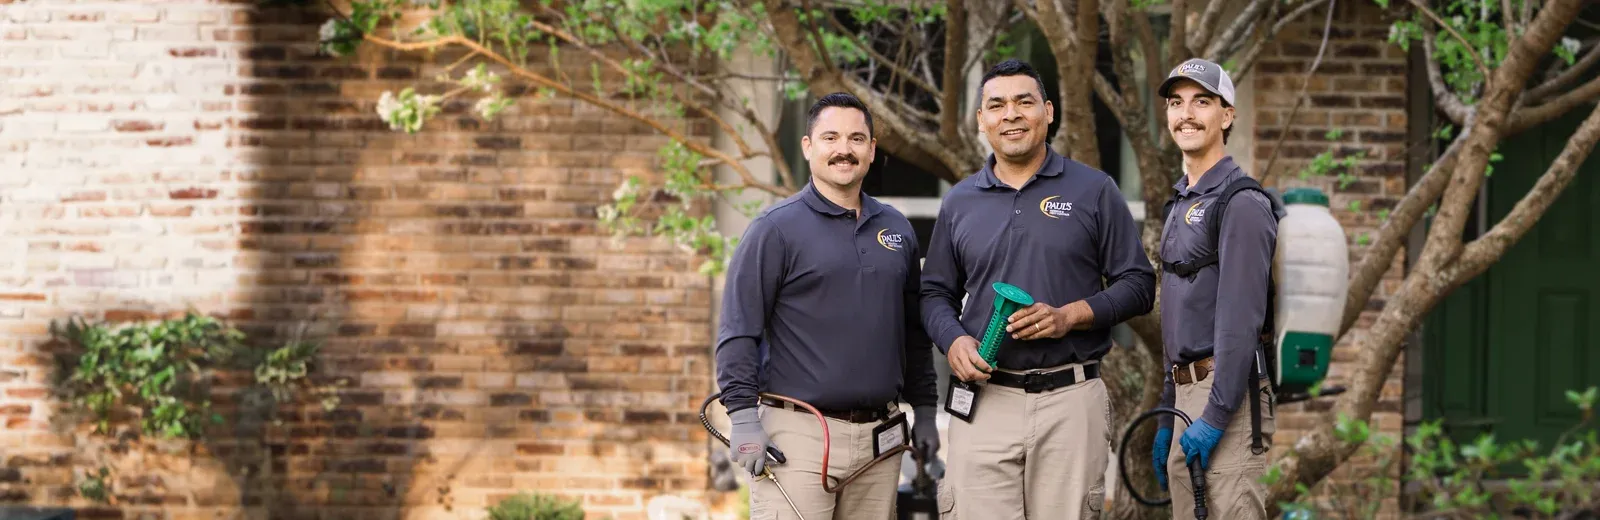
1210, 257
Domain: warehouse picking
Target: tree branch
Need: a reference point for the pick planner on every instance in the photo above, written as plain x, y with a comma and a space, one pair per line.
1482, 66
1446, 100
950, 161
738, 140
955, 51
1235, 31
1539, 93
1315, 455
1197, 40
893, 65
688, 142
1253, 53
1178, 33
1150, 49
816, 37
1488, 120
1300, 99
1530, 117
1478, 255
1380, 256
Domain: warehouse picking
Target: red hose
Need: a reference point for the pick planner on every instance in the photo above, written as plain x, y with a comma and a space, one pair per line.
826, 438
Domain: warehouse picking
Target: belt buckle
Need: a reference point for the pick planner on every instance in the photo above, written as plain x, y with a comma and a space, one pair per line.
1034, 382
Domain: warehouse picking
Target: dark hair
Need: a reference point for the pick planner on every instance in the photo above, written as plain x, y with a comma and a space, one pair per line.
840, 100
1011, 67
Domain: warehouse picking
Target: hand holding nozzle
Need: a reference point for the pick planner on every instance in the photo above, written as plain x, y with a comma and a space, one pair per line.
750, 445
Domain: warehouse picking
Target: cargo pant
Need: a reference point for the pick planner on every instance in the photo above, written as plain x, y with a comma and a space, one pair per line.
872, 496
1029, 456
1233, 478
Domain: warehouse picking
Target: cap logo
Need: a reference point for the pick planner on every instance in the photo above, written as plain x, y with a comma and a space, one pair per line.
1191, 68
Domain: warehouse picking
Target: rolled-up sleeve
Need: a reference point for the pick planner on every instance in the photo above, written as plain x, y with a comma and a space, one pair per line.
754, 275
1130, 281
943, 285
1248, 238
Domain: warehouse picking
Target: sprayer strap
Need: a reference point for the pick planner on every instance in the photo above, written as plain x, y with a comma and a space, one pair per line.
1255, 402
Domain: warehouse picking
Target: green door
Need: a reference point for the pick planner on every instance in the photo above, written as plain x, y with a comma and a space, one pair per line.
1503, 350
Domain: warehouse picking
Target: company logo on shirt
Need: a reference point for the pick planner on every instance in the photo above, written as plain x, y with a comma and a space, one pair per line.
1050, 208
1195, 215
891, 241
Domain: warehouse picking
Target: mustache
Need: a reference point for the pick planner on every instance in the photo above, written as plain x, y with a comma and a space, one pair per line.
849, 157
1195, 124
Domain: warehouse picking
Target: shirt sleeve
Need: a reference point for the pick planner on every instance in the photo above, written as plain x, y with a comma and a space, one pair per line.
943, 284
1245, 247
755, 273
1130, 281
921, 382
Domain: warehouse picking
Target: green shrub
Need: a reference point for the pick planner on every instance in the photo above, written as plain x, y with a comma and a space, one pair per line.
533, 506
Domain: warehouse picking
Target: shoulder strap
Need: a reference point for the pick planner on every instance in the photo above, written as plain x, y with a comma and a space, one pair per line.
1215, 212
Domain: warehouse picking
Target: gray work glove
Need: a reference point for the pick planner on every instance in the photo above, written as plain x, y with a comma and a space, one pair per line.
925, 432
748, 441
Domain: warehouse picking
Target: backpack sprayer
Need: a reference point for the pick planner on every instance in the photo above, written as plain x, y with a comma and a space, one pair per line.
1310, 271
775, 456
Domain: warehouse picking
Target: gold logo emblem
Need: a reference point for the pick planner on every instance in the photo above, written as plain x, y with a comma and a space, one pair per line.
1050, 208
891, 241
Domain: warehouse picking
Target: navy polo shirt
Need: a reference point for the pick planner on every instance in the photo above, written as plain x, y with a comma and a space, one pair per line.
1192, 328
1066, 235
833, 300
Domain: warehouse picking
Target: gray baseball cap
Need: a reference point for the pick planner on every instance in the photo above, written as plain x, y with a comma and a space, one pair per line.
1209, 75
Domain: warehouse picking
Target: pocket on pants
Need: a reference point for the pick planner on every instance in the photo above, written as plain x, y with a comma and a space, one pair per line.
1242, 491
1094, 502
947, 500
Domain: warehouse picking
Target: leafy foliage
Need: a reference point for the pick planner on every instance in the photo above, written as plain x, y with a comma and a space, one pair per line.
1481, 24
156, 369
1450, 477
533, 506
161, 371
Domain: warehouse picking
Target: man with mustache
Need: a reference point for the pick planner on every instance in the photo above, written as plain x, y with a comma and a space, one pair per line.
1030, 437
821, 305
1214, 304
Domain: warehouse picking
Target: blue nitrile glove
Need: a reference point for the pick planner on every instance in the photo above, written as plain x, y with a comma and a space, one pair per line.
925, 432
1163, 446
748, 441
1198, 440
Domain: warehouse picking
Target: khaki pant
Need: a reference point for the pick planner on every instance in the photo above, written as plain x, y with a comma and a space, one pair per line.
1233, 480
1029, 456
872, 496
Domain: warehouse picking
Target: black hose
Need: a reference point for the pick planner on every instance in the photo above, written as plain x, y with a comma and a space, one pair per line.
1197, 475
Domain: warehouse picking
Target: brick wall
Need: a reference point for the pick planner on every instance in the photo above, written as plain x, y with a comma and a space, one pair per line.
1360, 88
166, 155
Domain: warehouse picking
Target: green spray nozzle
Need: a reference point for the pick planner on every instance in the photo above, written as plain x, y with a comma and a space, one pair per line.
1007, 300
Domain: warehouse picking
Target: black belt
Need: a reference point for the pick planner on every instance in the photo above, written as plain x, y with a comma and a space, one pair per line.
1035, 382
852, 416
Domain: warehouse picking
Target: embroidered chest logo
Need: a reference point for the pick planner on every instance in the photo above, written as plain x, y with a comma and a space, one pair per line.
1195, 215
891, 240
1053, 209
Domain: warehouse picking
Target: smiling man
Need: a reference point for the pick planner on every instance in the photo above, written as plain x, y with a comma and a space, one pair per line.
1030, 437
1213, 303
826, 283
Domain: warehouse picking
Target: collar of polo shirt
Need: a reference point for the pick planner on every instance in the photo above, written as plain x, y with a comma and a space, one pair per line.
1053, 165
821, 204
1211, 181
